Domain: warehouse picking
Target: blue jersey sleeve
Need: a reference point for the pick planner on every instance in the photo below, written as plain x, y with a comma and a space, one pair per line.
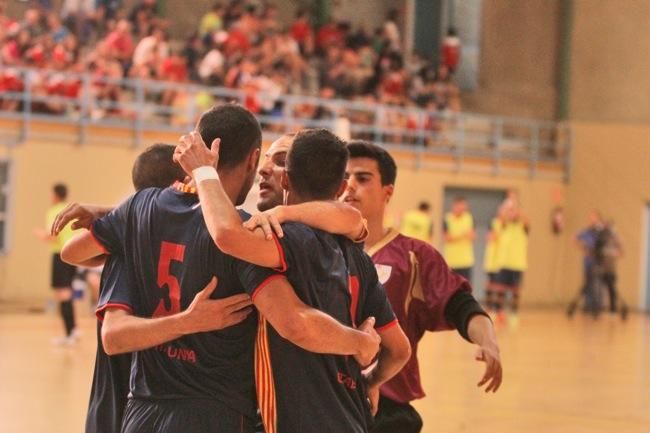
110, 230
114, 290
254, 278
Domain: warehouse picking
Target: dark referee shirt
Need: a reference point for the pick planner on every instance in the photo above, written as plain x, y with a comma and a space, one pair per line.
110, 387
170, 256
304, 392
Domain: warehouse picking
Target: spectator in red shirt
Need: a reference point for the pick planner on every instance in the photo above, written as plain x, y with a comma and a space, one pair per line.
329, 35
120, 42
302, 32
237, 42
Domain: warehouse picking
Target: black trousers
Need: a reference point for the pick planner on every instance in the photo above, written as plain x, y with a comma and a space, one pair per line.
394, 417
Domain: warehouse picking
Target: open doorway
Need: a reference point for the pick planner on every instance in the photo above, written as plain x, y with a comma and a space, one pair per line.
483, 205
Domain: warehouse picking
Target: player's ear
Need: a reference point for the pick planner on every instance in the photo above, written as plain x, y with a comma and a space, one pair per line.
254, 159
342, 188
284, 180
388, 192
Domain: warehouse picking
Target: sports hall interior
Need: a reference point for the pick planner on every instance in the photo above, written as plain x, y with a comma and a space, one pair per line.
578, 65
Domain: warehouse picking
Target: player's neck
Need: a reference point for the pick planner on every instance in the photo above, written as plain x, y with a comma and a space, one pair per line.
376, 232
231, 186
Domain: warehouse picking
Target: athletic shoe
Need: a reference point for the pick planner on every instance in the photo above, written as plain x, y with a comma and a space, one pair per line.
69, 340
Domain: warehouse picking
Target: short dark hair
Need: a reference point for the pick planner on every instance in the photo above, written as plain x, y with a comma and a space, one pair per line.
155, 168
459, 198
60, 191
424, 206
316, 164
386, 163
237, 128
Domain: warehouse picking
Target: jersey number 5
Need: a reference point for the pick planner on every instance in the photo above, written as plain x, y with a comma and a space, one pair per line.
171, 300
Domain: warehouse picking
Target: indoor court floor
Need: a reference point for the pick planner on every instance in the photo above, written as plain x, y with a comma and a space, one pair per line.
560, 375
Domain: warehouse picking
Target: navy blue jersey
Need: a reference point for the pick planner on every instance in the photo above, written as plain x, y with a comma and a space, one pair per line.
304, 392
110, 388
170, 257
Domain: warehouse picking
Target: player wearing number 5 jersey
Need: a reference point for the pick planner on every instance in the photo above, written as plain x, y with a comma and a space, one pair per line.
195, 382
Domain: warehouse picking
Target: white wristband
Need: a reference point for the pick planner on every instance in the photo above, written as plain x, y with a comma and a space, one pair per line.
204, 173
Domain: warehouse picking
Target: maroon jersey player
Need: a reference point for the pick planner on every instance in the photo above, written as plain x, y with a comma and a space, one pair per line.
425, 294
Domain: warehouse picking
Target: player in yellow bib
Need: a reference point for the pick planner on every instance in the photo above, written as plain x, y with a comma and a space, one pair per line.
512, 256
459, 237
62, 273
417, 223
490, 264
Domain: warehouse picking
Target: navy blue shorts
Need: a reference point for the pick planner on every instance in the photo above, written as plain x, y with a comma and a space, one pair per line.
62, 273
509, 278
183, 416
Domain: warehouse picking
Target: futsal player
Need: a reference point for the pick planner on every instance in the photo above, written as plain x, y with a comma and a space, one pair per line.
198, 382
425, 294
62, 273
459, 233
110, 387
490, 264
299, 391
512, 258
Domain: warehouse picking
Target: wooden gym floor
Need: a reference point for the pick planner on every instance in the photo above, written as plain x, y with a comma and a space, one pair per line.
560, 376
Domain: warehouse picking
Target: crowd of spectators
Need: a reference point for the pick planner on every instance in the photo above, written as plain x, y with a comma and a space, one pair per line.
236, 45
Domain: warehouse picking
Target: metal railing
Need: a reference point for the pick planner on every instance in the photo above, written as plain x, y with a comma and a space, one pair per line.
141, 106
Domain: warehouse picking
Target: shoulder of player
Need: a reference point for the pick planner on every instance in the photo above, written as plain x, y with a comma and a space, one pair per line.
420, 248
295, 230
145, 195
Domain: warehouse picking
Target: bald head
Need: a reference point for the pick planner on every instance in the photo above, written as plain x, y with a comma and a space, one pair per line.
271, 169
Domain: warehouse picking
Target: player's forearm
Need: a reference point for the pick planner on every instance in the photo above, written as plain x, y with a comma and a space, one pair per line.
481, 331
221, 217
329, 216
317, 332
127, 333
94, 262
225, 227
81, 249
395, 353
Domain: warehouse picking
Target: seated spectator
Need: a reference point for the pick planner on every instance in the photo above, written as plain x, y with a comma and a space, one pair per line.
211, 68
58, 31
329, 35
148, 54
172, 69
33, 24
302, 33
120, 43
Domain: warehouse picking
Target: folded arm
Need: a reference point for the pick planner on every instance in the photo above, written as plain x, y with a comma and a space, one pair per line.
82, 250
124, 332
307, 327
329, 216
394, 354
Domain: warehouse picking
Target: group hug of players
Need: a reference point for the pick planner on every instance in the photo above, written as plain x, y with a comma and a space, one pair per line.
304, 318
